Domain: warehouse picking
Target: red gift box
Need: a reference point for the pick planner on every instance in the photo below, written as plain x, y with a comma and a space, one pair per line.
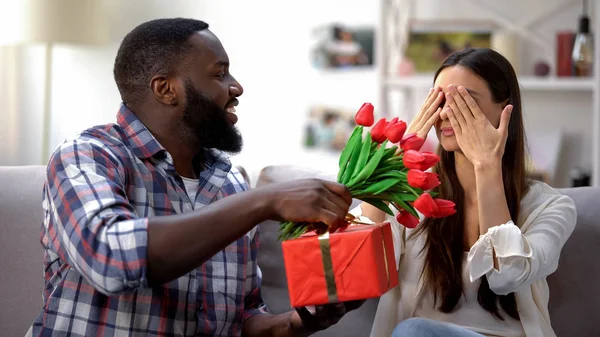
354, 264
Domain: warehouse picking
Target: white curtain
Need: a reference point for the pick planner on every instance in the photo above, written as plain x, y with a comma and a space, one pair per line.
8, 105
21, 104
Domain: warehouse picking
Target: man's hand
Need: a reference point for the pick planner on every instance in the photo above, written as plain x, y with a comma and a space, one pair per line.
324, 315
309, 200
299, 323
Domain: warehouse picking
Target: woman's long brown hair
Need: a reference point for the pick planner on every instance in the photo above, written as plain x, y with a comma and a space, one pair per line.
444, 248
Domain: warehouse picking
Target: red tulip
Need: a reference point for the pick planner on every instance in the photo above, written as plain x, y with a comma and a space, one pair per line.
426, 205
364, 115
406, 219
419, 160
412, 142
377, 132
390, 123
445, 208
395, 132
423, 180
434, 208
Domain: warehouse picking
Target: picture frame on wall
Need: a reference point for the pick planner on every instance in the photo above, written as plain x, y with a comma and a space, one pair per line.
431, 41
328, 128
337, 46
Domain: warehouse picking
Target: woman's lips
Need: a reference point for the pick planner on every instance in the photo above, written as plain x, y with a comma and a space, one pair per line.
447, 132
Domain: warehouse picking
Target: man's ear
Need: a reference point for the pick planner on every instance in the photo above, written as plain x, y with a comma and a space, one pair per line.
164, 89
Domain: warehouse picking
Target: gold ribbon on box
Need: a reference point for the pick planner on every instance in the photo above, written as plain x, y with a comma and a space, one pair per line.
325, 246
328, 268
387, 268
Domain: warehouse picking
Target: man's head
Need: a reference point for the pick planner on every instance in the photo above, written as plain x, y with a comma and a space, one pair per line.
174, 73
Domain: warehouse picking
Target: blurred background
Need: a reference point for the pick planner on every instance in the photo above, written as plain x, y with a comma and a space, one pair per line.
306, 67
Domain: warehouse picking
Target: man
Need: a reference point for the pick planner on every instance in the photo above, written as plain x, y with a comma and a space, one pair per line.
148, 230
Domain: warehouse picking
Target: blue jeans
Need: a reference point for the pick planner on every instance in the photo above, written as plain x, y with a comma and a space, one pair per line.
422, 327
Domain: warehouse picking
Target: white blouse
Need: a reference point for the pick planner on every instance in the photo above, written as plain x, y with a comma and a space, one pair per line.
526, 255
468, 313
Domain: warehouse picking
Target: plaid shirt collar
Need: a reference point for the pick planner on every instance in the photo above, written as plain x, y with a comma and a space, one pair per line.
144, 145
141, 141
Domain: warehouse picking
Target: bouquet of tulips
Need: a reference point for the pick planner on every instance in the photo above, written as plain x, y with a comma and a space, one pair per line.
384, 167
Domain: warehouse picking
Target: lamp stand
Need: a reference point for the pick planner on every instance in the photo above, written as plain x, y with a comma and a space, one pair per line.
47, 105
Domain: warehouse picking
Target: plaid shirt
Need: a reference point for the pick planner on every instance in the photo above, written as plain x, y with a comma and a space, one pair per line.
101, 189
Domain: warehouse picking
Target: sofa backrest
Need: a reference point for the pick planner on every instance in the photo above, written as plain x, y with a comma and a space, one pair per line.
21, 269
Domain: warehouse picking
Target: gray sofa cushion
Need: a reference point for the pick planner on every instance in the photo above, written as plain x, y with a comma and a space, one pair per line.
574, 293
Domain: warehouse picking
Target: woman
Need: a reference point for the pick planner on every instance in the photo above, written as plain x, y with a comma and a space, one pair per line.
481, 271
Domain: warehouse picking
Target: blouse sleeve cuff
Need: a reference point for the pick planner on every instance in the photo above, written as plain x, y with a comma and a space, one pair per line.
505, 240
358, 213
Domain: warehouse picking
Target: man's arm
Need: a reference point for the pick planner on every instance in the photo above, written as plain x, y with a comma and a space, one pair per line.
97, 231
179, 243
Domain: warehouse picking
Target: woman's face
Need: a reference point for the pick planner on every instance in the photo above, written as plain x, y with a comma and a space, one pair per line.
478, 89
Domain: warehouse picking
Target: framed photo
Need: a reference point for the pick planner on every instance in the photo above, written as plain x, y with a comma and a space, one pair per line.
328, 128
430, 42
340, 47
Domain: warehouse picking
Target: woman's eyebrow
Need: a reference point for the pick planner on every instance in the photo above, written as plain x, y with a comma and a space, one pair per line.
472, 92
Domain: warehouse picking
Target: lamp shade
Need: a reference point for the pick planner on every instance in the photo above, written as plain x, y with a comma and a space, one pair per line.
65, 21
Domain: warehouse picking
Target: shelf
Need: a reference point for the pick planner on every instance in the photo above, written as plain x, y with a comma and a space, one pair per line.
526, 82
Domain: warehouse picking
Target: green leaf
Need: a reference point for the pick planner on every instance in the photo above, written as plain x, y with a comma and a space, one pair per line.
416, 191
373, 146
404, 205
387, 196
357, 146
353, 143
363, 157
391, 164
370, 167
405, 196
377, 176
379, 204
389, 153
379, 186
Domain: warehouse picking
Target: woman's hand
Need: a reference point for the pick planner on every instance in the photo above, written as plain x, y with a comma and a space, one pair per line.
477, 138
429, 113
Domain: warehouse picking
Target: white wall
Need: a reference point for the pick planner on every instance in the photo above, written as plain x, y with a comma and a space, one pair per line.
268, 44
269, 55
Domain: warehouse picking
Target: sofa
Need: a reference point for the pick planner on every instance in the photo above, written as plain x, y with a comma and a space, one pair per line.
575, 296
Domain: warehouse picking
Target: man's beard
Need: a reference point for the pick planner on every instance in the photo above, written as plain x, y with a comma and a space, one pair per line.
206, 123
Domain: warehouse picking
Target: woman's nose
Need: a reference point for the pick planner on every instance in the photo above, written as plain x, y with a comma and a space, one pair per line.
444, 113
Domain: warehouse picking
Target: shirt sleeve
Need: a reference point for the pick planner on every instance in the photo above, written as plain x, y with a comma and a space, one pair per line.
524, 258
253, 301
398, 231
90, 222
